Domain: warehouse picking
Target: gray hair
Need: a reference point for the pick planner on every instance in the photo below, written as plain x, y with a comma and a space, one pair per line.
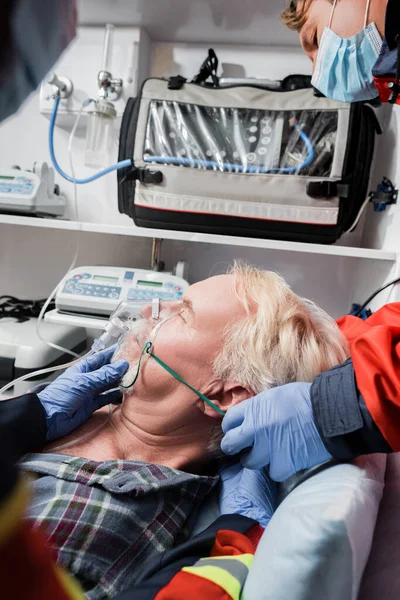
283, 338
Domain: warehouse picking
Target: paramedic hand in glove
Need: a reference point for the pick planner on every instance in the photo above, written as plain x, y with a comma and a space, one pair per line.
72, 398
68, 401
351, 410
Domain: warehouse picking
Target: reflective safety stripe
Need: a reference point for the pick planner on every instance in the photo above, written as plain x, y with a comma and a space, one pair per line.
235, 568
228, 572
245, 559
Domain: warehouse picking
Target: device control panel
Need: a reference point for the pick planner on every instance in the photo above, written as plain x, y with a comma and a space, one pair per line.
21, 184
99, 290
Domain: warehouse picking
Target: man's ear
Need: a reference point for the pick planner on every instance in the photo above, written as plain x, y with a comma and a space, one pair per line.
228, 395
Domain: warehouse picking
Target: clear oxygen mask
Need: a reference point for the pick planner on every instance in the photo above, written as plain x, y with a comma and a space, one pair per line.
139, 344
139, 337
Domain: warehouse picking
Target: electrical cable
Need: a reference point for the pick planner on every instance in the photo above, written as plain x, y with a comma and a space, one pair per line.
375, 294
21, 310
358, 217
77, 245
38, 373
120, 165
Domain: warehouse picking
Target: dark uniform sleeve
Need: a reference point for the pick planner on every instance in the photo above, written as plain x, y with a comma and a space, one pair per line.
22, 429
392, 24
342, 418
24, 549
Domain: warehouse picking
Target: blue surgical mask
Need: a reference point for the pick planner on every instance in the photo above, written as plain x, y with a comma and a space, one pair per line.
344, 65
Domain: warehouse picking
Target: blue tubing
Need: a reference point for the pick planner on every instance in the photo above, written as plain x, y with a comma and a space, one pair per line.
120, 165
209, 164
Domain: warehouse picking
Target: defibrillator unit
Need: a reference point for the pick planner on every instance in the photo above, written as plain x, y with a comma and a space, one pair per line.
243, 160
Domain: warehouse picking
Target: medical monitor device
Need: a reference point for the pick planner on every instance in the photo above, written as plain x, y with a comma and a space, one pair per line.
87, 296
31, 193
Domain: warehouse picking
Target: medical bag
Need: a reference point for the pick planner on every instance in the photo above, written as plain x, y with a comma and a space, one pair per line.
243, 160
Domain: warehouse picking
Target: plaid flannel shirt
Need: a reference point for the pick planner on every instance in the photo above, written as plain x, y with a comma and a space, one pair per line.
107, 520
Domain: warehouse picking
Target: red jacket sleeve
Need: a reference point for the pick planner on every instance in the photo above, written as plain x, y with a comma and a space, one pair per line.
375, 352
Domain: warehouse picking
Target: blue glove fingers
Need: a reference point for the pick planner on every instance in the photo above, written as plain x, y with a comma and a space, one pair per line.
95, 361
254, 460
113, 397
106, 377
248, 493
237, 440
234, 417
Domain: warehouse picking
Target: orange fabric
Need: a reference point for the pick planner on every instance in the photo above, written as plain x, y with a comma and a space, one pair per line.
227, 543
382, 85
255, 534
231, 543
185, 586
27, 568
375, 352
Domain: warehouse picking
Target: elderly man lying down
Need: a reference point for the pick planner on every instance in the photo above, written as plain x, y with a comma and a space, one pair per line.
109, 503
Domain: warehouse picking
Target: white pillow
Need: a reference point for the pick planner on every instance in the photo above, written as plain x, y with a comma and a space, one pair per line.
318, 541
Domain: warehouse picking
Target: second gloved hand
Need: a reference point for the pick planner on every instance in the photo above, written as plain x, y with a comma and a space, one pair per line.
248, 493
275, 428
76, 394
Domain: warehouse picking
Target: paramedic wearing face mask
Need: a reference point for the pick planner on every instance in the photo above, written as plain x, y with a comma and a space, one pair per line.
343, 39
351, 410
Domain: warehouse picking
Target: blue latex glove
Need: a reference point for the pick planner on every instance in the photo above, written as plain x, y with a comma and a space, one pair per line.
248, 493
76, 394
275, 428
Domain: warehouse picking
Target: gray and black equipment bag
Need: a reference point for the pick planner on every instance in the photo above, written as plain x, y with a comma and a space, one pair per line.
244, 161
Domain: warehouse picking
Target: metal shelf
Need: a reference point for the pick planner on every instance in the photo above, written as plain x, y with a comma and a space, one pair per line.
224, 240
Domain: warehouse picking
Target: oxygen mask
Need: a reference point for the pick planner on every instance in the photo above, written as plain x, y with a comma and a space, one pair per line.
138, 340
138, 343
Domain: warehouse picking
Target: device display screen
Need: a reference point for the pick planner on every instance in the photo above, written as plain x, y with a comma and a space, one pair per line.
104, 278
151, 283
6, 178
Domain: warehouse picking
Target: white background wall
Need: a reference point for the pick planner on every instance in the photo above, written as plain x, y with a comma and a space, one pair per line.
32, 260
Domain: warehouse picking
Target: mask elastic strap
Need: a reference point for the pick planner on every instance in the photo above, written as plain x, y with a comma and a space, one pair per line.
331, 17
126, 387
367, 13
162, 364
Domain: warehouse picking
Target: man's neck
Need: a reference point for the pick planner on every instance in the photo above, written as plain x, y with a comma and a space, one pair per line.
120, 438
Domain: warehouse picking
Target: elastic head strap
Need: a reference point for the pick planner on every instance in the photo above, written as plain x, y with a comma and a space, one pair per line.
179, 378
365, 16
367, 13
331, 17
126, 387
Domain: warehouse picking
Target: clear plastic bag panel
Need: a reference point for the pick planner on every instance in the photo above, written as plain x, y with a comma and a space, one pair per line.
241, 140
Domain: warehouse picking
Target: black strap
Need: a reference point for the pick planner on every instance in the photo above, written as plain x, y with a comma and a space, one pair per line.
395, 87
176, 82
144, 176
296, 82
328, 189
208, 69
392, 24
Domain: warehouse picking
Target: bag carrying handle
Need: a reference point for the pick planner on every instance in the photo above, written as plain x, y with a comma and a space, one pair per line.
208, 70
